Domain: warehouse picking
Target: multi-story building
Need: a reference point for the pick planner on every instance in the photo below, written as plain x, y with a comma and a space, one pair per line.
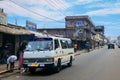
99, 37
3, 17
82, 25
79, 28
118, 39
99, 29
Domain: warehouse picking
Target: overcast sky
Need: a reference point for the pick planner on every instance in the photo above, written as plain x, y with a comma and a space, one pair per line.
51, 13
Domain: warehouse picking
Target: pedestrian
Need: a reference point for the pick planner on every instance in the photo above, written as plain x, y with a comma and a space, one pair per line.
20, 52
75, 47
11, 62
98, 44
87, 45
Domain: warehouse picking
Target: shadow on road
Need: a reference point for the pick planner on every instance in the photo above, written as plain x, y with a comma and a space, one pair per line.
43, 72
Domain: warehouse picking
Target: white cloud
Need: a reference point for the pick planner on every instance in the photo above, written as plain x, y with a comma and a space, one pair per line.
11, 8
52, 4
104, 5
85, 1
105, 8
104, 12
47, 8
111, 36
109, 25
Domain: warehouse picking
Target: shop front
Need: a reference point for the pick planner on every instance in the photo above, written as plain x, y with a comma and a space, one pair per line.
10, 39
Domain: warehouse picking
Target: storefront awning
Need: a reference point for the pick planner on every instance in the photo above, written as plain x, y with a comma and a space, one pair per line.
14, 30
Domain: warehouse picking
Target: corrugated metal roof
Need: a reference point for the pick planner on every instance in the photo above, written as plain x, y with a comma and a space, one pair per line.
14, 30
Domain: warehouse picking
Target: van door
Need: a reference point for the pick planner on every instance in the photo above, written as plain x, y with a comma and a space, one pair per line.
57, 48
65, 50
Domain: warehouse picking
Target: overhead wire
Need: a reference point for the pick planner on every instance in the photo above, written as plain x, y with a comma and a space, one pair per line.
63, 5
59, 1
53, 3
35, 12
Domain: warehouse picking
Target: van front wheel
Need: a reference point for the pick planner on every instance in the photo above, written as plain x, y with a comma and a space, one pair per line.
32, 70
58, 67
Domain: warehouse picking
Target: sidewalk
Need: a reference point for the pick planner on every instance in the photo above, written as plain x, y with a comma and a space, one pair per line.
3, 68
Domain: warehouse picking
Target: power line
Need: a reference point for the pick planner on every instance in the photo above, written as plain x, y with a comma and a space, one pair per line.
35, 12
59, 1
55, 5
64, 6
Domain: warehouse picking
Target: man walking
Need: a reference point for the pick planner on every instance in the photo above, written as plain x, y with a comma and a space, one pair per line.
11, 62
87, 45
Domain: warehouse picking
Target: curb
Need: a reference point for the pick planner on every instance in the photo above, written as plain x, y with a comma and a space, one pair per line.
79, 52
7, 74
5, 71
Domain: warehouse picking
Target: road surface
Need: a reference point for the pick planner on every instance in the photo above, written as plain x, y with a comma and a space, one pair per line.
99, 64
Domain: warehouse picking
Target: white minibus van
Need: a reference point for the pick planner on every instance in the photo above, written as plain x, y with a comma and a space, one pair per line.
48, 52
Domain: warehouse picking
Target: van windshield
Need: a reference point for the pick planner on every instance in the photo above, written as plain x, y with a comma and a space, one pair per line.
40, 44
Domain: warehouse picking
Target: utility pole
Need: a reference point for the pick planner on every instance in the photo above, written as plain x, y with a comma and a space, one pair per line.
15, 21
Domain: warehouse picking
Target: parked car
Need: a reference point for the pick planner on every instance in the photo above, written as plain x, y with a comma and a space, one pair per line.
111, 46
118, 45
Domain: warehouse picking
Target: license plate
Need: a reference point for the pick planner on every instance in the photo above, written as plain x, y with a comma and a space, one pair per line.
35, 65
42, 65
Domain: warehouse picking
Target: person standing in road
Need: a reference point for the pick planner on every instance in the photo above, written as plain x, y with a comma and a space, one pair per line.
11, 62
20, 52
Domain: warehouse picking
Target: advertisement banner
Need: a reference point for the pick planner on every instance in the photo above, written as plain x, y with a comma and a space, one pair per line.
31, 26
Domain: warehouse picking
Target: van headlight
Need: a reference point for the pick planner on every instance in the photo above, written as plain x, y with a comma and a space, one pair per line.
49, 59
26, 61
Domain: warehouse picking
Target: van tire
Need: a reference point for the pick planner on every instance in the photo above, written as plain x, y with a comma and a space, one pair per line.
32, 70
70, 62
58, 67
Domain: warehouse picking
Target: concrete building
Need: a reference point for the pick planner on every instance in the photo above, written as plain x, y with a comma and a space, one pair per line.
13, 34
118, 40
79, 28
99, 29
99, 37
3, 17
82, 25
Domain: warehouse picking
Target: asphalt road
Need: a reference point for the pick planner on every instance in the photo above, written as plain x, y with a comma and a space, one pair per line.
99, 64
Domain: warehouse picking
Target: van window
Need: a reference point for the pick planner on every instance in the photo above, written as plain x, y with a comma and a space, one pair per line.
56, 44
64, 44
70, 44
41, 44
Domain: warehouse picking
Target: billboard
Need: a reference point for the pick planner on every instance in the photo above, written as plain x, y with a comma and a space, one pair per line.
74, 23
69, 24
79, 23
31, 26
